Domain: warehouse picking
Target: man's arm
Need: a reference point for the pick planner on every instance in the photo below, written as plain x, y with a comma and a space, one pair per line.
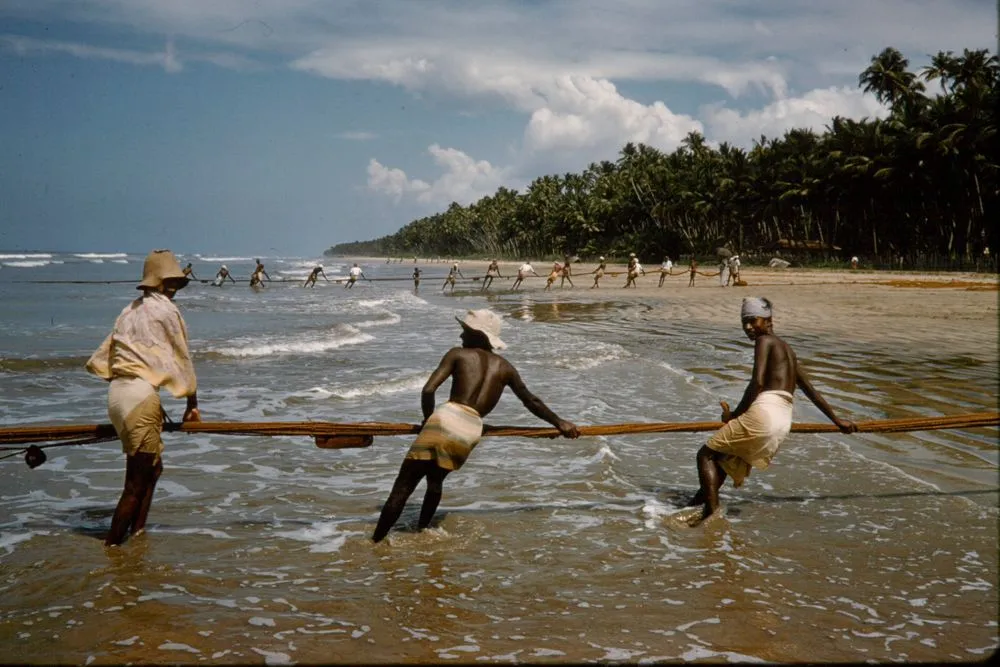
230, 276
845, 426
191, 412
537, 407
444, 370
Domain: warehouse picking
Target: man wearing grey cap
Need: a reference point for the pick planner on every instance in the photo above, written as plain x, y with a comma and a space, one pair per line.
753, 431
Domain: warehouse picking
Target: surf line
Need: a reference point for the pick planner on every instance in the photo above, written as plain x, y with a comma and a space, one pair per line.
334, 435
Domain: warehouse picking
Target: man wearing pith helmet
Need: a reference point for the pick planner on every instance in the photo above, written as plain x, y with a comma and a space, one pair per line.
147, 349
452, 430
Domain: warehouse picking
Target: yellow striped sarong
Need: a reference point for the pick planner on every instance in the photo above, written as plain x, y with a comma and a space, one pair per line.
448, 436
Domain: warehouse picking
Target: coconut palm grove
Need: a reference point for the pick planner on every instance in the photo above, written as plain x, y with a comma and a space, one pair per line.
915, 188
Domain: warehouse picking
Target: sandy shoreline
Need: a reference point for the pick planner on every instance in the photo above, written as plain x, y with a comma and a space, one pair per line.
933, 310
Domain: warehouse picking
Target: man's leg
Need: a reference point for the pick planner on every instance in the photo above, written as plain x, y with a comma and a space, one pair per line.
147, 499
710, 477
662, 276
410, 474
435, 481
138, 470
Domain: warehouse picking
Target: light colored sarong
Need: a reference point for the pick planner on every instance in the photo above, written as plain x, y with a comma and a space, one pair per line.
448, 436
753, 438
135, 411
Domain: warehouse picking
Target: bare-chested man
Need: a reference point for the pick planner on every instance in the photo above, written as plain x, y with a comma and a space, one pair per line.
599, 272
416, 278
693, 268
567, 271
449, 433
450, 280
221, 276
189, 272
522, 273
314, 275
553, 274
762, 420
492, 271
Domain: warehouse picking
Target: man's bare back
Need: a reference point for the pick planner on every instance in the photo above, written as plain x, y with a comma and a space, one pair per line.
479, 378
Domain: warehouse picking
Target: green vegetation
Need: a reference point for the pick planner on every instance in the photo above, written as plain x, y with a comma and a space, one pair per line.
920, 184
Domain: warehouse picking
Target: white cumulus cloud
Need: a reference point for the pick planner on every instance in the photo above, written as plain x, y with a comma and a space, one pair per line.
813, 110
464, 180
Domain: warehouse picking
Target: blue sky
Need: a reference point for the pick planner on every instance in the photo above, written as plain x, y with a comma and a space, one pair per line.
284, 126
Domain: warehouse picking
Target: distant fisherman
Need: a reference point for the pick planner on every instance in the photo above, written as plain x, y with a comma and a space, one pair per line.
221, 276
353, 276
760, 423
416, 278
314, 275
146, 350
666, 268
567, 271
189, 272
553, 274
450, 280
492, 271
599, 272
522, 273
450, 432
634, 267
693, 268
260, 272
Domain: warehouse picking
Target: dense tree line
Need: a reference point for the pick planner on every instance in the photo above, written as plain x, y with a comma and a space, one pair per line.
920, 184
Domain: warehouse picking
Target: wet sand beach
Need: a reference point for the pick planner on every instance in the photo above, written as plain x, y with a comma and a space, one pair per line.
876, 547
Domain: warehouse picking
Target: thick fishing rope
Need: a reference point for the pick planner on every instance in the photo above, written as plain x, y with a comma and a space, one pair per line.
78, 434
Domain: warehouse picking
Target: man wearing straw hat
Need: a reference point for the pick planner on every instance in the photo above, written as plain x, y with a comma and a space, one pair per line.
754, 431
147, 349
451, 431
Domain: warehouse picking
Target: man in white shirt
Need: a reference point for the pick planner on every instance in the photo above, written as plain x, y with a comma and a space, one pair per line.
522, 273
667, 267
355, 273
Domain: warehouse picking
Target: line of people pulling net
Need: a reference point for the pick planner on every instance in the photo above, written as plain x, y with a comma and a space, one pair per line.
147, 350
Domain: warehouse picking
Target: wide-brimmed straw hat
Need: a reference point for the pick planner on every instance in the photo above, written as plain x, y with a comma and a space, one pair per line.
486, 322
160, 265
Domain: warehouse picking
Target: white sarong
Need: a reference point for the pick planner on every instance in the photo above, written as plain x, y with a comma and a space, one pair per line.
753, 438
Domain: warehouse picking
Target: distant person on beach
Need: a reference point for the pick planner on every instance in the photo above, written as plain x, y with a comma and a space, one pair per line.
854, 262
416, 278
450, 280
666, 268
147, 349
734, 270
693, 268
353, 275
553, 274
753, 432
634, 268
261, 273
451, 431
221, 276
599, 272
492, 271
724, 273
189, 272
314, 275
567, 272
522, 273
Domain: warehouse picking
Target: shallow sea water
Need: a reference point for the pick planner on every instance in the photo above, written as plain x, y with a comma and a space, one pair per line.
849, 548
